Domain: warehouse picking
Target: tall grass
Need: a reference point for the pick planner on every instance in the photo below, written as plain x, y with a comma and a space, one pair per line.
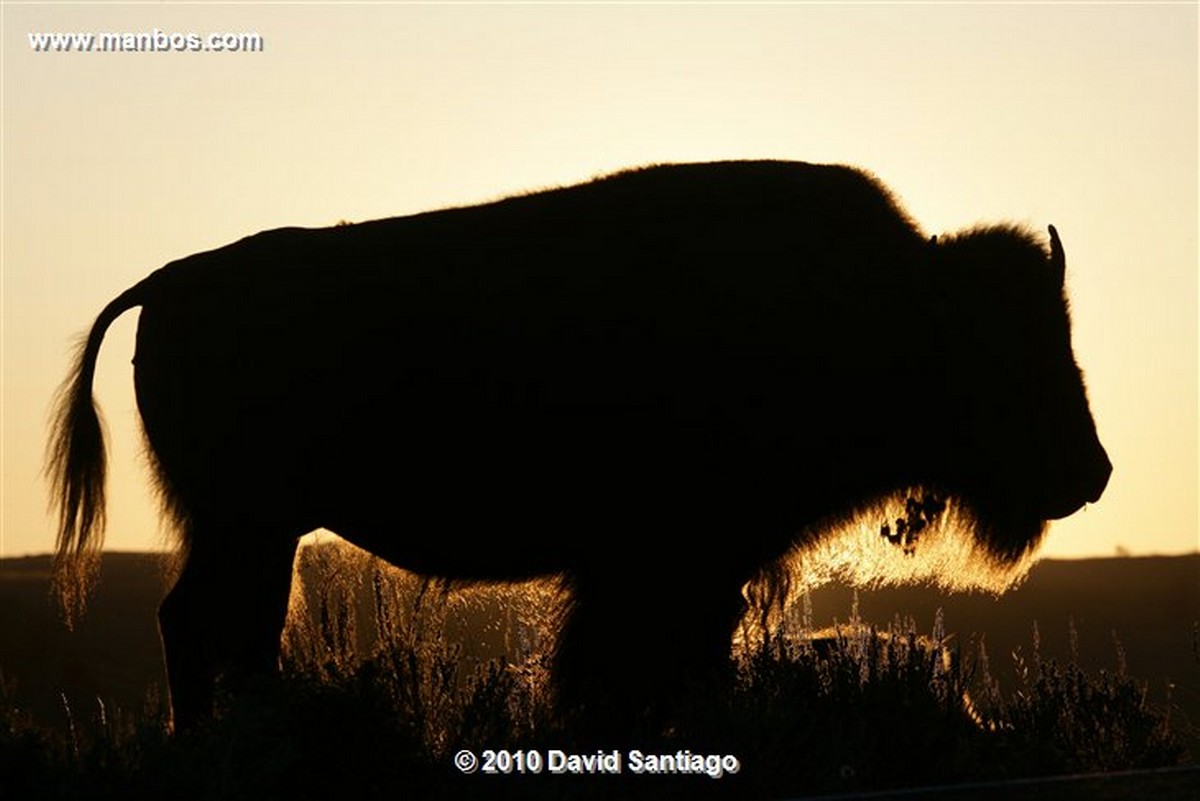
386, 676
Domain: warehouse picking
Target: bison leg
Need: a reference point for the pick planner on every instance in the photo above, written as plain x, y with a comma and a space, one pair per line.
225, 616
634, 644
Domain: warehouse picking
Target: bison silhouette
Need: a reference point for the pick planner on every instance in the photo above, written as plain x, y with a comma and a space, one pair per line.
651, 385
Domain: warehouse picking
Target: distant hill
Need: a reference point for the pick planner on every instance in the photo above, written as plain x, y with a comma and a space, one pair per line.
113, 653
1152, 605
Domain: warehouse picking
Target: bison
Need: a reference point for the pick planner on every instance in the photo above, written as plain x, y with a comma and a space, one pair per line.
651, 385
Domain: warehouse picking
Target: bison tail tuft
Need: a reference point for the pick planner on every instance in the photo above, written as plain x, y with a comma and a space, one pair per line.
75, 468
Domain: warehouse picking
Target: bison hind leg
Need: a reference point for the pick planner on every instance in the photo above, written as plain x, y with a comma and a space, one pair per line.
635, 643
224, 617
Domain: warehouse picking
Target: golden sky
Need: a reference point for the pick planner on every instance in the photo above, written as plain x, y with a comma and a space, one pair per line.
1084, 116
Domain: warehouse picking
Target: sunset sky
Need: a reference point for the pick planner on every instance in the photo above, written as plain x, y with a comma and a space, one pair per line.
1080, 115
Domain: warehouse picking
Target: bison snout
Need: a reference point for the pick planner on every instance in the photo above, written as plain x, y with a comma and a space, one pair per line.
1085, 484
1103, 471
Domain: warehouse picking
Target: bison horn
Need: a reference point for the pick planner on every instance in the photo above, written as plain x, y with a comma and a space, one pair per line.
1058, 258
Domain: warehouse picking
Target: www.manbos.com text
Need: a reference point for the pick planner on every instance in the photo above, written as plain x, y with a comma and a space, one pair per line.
152, 41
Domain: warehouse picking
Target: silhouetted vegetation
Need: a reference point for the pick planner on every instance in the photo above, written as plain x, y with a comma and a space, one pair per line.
375, 700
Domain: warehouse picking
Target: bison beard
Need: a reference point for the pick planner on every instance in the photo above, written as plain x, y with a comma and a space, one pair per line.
586, 382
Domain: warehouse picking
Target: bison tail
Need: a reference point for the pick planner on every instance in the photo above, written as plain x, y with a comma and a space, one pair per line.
75, 467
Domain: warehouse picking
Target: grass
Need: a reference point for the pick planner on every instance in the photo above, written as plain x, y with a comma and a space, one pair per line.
387, 677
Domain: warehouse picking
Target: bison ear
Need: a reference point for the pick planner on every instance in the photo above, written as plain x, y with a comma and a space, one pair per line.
1058, 258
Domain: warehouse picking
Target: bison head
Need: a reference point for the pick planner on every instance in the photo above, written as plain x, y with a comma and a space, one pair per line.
1024, 448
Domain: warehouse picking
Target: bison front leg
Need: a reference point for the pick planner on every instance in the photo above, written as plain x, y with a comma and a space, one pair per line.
224, 617
636, 643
